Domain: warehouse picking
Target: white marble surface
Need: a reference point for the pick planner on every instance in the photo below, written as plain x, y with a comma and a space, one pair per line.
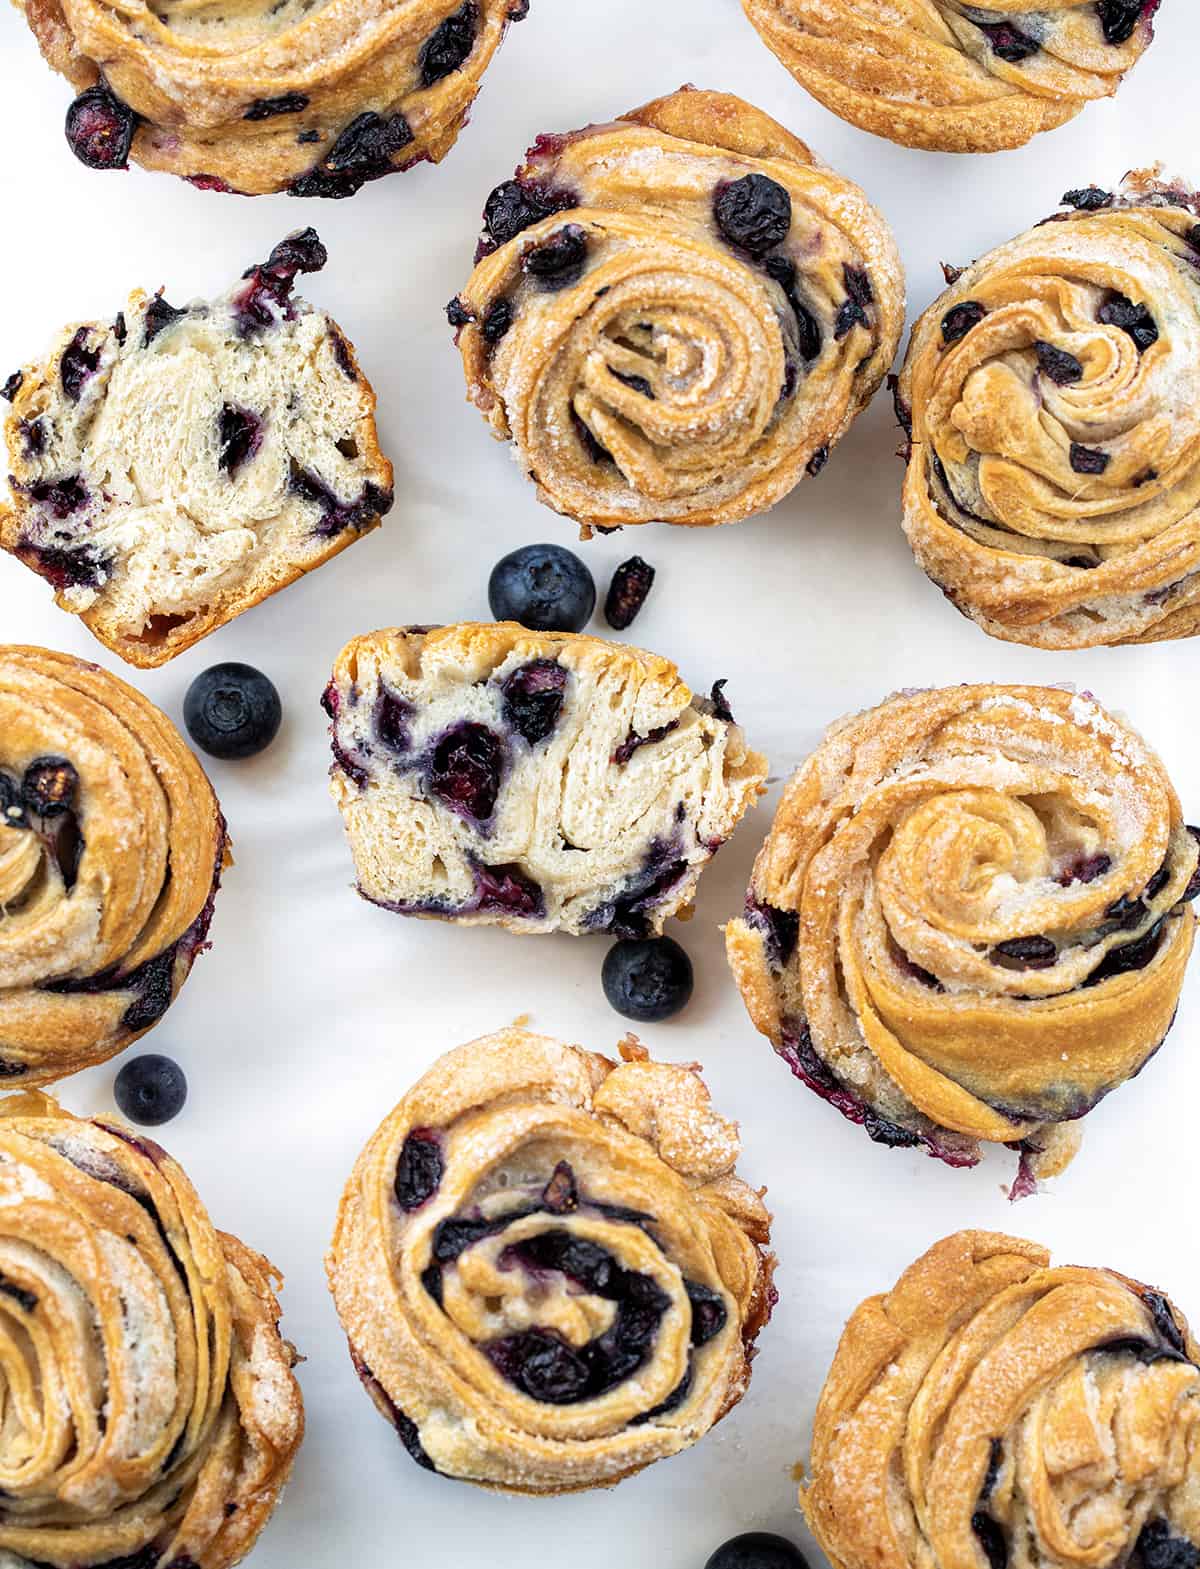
314, 1011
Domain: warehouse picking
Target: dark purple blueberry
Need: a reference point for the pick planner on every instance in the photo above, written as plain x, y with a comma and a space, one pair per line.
781, 928
1085, 869
419, 1170
78, 362
100, 128
1008, 42
631, 582
753, 213
1193, 887
392, 717
1136, 320
1158, 1548
151, 1089
783, 271
119, 328
709, 1312
1126, 911
49, 786
817, 462
268, 108
991, 1538
232, 710
757, 1550
457, 313
1061, 367
159, 314
560, 1195
638, 383
307, 138
514, 206
453, 1237
1135, 955
907, 965
464, 770
851, 313
267, 287
1088, 198
507, 889
720, 703
33, 434
542, 1365
63, 569
12, 812
558, 261
595, 451
1118, 18
545, 587
497, 320
533, 698
23, 1298
336, 515
1088, 460
633, 742
448, 47
240, 434
1163, 1315
648, 979
1025, 953
364, 151
959, 320
625, 915
11, 387
588, 1265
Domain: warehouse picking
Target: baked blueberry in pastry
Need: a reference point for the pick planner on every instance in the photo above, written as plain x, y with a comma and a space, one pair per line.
1053, 482
548, 1270
677, 315
542, 781
995, 1409
173, 467
151, 1414
953, 77
312, 97
970, 919
111, 849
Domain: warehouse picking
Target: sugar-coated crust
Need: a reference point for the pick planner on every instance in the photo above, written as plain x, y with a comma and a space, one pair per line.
104, 904
894, 945
312, 99
627, 1163
603, 811
945, 76
993, 1408
153, 1416
167, 475
1053, 482
671, 376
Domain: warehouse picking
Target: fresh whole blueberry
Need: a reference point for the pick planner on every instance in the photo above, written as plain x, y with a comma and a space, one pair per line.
545, 587
647, 979
232, 710
100, 128
150, 1089
753, 213
757, 1550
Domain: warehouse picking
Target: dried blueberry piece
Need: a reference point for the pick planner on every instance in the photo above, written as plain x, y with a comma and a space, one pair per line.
446, 49
1088, 460
364, 151
1008, 42
100, 128
1089, 198
783, 272
817, 462
959, 320
419, 1170
49, 786
268, 108
720, 703
1061, 367
561, 1195
558, 261
497, 321
506, 888
159, 315
1024, 953
240, 436
858, 285
453, 1237
631, 582
119, 329
457, 313
533, 698
1085, 869
1158, 1548
464, 770
11, 387
709, 1313
753, 213
410, 1437
1136, 320
1118, 18
850, 314
514, 206
78, 362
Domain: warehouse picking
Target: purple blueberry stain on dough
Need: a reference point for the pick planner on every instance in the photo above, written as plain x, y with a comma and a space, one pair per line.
1007, 42
337, 515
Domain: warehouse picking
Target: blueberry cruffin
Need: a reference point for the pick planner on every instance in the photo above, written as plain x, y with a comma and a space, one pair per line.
548, 1270
952, 77
111, 848
969, 921
173, 467
995, 1409
675, 316
312, 97
150, 1412
1053, 482
542, 781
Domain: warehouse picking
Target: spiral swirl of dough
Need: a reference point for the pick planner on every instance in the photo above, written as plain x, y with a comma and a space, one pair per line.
548, 1271
994, 1410
1053, 483
680, 313
111, 847
150, 1412
308, 96
969, 919
952, 77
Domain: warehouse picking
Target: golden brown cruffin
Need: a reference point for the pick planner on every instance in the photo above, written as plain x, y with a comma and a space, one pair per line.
969, 921
111, 849
993, 1410
151, 1416
548, 1270
312, 97
1053, 482
951, 77
675, 316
